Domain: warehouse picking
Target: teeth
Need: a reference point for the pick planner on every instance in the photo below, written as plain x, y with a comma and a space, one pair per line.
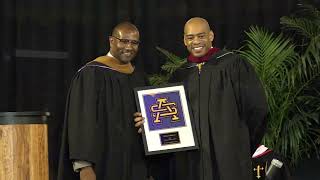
197, 48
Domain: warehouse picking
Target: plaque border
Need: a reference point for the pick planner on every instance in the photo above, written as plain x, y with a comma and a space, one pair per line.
190, 119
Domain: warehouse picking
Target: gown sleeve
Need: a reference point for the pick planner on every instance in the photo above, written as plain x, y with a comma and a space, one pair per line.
82, 116
253, 104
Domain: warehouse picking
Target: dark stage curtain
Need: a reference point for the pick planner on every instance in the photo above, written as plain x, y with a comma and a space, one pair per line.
44, 42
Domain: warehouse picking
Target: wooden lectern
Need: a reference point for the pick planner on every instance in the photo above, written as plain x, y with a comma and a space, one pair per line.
23, 146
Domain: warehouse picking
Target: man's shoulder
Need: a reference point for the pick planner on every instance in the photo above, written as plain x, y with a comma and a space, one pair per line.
224, 59
93, 66
225, 54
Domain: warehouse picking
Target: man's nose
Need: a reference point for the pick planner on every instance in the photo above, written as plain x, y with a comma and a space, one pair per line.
196, 40
129, 45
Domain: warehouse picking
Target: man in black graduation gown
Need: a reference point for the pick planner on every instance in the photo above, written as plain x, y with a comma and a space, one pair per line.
99, 137
228, 105
229, 111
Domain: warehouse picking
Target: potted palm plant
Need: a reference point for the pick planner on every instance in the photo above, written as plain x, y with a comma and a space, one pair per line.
287, 68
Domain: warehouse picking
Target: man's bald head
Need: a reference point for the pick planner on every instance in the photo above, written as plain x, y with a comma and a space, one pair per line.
124, 42
197, 21
124, 28
197, 36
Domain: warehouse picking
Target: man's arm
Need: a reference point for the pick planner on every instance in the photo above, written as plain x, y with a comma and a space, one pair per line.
87, 173
85, 169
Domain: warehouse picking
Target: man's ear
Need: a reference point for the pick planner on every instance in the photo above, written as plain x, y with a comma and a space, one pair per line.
111, 42
211, 35
111, 39
184, 40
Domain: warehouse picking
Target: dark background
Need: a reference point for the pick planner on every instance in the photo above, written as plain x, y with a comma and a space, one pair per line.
44, 42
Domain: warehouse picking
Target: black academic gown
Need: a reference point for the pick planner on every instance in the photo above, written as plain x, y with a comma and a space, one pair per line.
99, 125
229, 112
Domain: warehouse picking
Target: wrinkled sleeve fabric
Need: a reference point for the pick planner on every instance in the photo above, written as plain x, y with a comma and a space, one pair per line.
253, 103
82, 116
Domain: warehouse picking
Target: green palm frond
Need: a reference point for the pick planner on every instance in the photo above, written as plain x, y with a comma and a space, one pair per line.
285, 75
305, 27
306, 21
308, 68
292, 135
172, 67
308, 11
158, 79
170, 56
271, 55
173, 63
